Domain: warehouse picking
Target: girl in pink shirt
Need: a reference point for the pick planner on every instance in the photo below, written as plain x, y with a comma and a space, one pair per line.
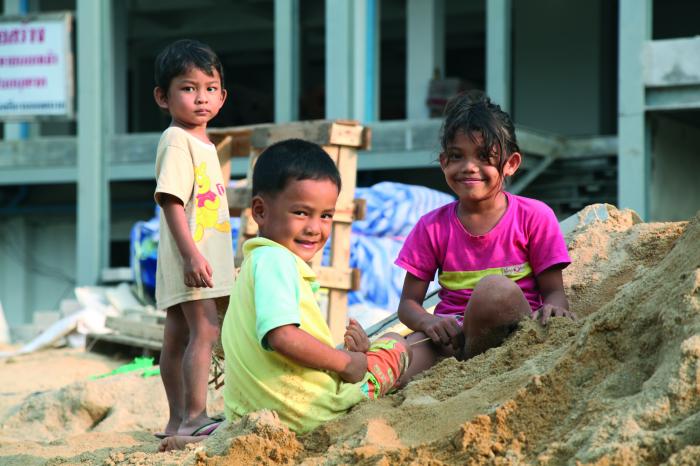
499, 257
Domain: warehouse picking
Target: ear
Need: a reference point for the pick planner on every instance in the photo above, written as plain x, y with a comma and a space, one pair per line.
512, 164
442, 158
258, 210
161, 97
224, 94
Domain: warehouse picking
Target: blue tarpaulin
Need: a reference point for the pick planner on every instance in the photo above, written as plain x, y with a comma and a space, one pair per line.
392, 211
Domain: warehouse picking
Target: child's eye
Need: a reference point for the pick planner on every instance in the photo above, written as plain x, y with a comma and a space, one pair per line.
212, 89
300, 213
328, 216
490, 158
188, 88
454, 156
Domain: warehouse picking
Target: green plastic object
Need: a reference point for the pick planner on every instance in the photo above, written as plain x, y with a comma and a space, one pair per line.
137, 364
151, 372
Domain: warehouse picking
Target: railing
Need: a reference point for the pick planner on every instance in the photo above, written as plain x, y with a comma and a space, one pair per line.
395, 145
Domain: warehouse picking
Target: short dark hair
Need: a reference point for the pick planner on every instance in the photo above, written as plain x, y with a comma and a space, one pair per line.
474, 112
182, 55
292, 159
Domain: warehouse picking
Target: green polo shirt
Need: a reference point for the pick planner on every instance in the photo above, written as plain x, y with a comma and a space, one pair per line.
275, 287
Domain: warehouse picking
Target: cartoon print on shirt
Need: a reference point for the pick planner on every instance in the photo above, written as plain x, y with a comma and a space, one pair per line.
207, 208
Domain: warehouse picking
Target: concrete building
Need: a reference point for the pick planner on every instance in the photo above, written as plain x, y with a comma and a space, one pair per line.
605, 94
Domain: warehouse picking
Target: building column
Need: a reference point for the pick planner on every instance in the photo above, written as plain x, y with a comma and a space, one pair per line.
339, 55
117, 43
365, 91
498, 51
95, 71
634, 156
287, 74
425, 49
352, 59
14, 270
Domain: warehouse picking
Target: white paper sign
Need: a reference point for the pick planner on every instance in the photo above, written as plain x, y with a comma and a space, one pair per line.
36, 67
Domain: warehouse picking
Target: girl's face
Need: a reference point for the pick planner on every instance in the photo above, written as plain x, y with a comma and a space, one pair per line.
469, 173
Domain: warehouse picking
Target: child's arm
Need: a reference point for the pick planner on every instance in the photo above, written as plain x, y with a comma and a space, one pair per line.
554, 302
441, 330
304, 349
198, 272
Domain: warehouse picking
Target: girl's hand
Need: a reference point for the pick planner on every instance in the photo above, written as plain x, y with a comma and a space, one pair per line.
443, 331
544, 313
198, 272
356, 338
356, 368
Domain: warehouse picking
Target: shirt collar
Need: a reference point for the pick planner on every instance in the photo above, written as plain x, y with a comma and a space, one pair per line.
303, 268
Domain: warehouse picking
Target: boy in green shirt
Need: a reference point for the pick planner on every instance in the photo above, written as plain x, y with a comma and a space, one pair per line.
278, 348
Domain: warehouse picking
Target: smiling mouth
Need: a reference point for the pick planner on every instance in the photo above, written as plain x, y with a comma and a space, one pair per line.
471, 180
306, 244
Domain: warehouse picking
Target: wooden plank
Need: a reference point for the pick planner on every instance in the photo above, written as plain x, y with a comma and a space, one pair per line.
317, 131
238, 197
338, 278
248, 226
340, 245
337, 314
347, 166
237, 140
366, 138
332, 152
360, 209
347, 213
135, 328
322, 132
223, 147
112, 343
346, 133
317, 260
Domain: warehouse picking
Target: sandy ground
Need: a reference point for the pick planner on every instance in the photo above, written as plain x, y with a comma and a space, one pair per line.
621, 386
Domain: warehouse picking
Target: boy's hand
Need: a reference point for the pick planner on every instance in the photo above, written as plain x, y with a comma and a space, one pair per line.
198, 272
356, 368
443, 331
544, 313
355, 337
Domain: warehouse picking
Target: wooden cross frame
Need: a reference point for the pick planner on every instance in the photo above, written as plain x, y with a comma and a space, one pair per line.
341, 139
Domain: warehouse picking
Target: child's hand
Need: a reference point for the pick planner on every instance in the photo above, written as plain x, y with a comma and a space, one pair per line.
544, 313
443, 331
198, 272
355, 337
356, 368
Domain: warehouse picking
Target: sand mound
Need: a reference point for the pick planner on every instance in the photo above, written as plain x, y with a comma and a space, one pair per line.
620, 386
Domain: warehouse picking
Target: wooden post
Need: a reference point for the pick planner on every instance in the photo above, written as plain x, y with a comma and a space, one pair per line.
340, 139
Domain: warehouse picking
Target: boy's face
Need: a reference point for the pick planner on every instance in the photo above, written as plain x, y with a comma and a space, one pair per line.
193, 98
299, 217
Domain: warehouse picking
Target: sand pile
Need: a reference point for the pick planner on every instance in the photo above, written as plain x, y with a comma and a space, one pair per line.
620, 386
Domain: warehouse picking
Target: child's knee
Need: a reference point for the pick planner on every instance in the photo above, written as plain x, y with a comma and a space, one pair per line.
391, 336
496, 284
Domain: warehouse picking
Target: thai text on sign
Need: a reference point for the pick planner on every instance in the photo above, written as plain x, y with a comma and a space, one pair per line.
36, 69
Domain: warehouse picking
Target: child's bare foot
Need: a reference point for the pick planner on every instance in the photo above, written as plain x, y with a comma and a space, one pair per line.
178, 442
170, 428
200, 426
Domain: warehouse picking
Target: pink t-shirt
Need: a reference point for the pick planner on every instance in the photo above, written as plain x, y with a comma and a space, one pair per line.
525, 242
